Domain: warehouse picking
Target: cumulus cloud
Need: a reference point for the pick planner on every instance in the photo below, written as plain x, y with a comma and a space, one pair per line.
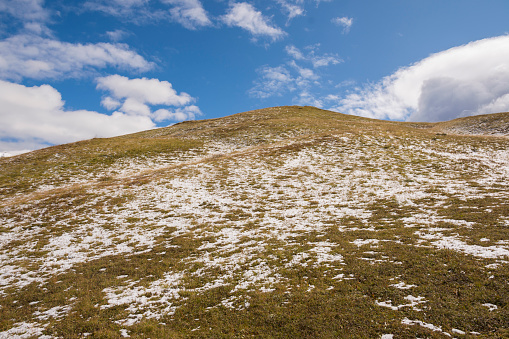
189, 13
179, 114
135, 96
151, 91
500, 104
245, 16
32, 56
461, 81
344, 22
34, 117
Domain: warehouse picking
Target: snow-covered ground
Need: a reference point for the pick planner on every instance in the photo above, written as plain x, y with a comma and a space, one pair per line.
256, 213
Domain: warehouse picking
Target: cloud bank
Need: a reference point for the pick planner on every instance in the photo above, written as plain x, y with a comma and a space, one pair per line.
466, 80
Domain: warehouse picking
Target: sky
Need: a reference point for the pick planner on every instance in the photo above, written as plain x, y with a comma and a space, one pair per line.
74, 70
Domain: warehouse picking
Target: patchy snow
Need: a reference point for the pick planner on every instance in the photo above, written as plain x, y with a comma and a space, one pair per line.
321, 250
155, 300
362, 242
432, 327
24, 330
254, 216
414, 301
54, 312
403, 286
454, 243
490, 307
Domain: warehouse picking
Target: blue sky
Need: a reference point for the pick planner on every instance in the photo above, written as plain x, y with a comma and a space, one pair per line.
73, 70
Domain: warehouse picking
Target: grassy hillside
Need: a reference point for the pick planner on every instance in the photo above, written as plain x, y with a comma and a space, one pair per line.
488, 124
277, 223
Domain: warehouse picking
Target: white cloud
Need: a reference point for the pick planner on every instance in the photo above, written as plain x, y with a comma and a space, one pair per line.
307, 99
276, 81
273, 81
117, 35
498, 105
295, 8
291, 77
311, 56
465, 80
245, 16
31, 56
136, 11
345, 22
110, 104
189, 13
319, 1
151, 91
292, 9
34, 117
30, 12
132, 106
12, 153
179, 114
294, 52
134, 96
305, 73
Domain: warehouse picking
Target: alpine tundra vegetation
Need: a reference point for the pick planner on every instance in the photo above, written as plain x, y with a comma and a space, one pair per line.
286, 222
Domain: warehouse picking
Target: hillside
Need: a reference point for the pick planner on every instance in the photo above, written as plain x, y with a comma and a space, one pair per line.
286, 222
487, 124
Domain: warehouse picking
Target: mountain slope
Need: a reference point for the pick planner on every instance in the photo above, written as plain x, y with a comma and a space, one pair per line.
282, 222
487, 124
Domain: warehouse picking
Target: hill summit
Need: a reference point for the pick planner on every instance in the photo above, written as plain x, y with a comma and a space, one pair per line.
281, 222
